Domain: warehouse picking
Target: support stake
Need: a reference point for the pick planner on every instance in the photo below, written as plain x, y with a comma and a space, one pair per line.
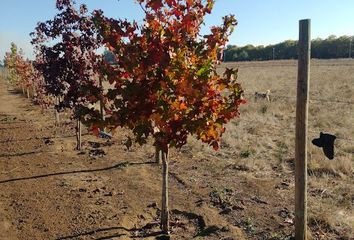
302, 102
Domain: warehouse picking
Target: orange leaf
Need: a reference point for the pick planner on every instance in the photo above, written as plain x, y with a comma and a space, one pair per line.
182, 106
189, 2
212, 133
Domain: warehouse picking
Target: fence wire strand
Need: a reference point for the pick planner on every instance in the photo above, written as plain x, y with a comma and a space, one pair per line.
293, 129
339, 101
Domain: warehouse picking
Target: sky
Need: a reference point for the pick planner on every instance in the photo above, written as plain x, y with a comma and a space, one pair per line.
260, 22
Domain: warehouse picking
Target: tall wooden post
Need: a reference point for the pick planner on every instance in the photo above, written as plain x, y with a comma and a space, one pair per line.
303, 81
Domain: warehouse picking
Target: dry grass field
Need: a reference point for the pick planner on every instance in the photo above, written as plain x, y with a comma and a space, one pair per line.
243, 191
263, 138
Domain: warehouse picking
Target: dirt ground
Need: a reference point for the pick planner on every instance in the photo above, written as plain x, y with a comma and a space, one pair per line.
48, 190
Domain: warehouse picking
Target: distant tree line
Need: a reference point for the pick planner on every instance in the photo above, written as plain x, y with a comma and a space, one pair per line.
331, 47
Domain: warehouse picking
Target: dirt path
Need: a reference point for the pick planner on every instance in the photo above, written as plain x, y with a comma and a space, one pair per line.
50, 191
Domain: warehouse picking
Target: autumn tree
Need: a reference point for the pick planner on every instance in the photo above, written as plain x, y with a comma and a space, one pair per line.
40, 94
165, 83
25, 73
20, 69
10, 64
67, 46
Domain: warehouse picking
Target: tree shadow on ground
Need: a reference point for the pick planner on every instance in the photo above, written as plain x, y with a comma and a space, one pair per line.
7, 155
133, 232
93, 232
15, 91
116, 166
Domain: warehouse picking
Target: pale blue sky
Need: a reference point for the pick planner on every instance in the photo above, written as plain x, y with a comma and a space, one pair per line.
260, 21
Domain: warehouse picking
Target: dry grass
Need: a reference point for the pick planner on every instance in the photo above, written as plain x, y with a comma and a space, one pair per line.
268, 128
263, 138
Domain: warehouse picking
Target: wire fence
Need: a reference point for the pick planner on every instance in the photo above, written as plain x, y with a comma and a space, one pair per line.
317, 100
320, 100
292, 129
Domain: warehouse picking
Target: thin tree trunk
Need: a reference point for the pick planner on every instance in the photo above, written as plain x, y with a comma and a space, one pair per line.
56, 113
101, 107
7, 79
57, 120
33, 90
28, 93
102, 116
78, 134
164, 204
157, 154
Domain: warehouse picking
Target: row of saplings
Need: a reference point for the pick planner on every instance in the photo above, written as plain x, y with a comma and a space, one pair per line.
163, 85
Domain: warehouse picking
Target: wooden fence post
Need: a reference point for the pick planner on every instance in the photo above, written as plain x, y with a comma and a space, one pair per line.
301, 130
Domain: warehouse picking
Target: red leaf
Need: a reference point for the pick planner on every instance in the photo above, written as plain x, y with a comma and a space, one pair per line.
125, 75
96, 131
155, 4
171, 3
177, 12
215, 145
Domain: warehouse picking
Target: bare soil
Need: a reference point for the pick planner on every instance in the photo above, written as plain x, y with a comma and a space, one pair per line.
48, 190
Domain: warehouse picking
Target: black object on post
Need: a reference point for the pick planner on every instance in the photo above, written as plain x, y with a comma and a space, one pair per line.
326, 142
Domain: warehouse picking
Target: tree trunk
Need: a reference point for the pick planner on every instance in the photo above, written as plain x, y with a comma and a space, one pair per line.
102, 116
33, 90
7, 79
101, 107
157, 154
28, 93
56, 113
164, 204
78, 134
